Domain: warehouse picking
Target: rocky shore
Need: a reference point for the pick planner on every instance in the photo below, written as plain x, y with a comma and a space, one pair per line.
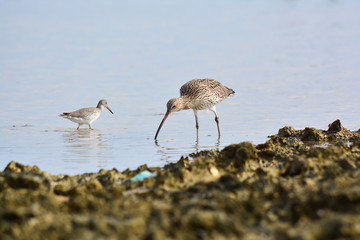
300, 184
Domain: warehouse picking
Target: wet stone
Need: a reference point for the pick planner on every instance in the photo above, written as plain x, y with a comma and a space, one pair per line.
286, 131
335, 127
312, 135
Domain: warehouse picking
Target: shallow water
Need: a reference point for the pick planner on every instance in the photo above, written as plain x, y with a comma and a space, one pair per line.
290, 63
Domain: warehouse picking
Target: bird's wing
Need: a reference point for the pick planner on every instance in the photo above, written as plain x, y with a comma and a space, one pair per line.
82, 112
198, 86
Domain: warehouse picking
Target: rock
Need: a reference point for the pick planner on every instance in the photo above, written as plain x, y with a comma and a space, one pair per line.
335, 127
312, 134
281, 189
286, 131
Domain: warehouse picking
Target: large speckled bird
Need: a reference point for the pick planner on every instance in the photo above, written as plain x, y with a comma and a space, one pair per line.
198, 94
86, 115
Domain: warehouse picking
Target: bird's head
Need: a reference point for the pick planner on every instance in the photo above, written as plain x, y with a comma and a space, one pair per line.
175, 105
103, 103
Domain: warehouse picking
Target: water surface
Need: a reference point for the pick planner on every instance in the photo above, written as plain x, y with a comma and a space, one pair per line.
290, 63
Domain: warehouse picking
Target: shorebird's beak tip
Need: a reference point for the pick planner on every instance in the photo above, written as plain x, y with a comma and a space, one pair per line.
110, 110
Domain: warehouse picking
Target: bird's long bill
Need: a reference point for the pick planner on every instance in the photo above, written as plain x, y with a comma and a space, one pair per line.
162, 122
110, 110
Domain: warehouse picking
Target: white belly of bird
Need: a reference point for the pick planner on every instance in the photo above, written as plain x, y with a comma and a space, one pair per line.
86, 119
205, 103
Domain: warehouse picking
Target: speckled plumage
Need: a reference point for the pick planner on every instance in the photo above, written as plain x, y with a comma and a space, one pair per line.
198, 94
86, 115
204, 93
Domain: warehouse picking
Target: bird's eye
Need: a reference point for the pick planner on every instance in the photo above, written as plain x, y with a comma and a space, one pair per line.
173, 106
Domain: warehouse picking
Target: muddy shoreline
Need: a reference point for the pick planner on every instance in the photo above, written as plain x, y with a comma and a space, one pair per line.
300, 184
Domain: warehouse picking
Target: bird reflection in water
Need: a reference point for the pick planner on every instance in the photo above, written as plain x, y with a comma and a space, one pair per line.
170, 154
85, 146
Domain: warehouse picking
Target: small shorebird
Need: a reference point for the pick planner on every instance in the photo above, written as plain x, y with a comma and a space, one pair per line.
86, 115
198, 94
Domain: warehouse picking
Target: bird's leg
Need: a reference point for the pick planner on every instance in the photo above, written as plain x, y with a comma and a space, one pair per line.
78, 127
218, 143
90, 127
197, 125
213, 109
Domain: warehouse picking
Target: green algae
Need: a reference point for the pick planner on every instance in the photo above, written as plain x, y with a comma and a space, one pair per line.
300, 184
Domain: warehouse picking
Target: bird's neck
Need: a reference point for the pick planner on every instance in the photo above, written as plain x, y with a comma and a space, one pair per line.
185, 103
